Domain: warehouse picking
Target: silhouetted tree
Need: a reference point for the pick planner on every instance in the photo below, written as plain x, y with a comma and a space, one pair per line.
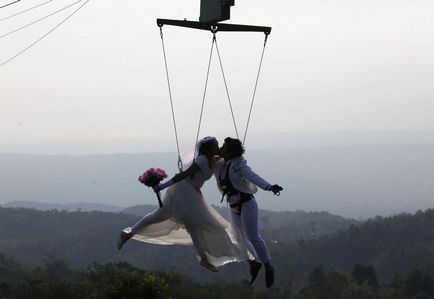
419, 282
365, 275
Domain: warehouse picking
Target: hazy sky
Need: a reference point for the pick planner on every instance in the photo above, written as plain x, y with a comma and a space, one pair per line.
329, 65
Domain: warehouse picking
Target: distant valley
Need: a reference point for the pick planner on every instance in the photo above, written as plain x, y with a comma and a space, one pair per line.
72, 207
357, 181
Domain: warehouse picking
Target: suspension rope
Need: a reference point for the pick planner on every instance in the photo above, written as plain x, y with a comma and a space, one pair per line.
39, 20
26, 10
254, 91
227, 89
214, 41
170, 97
43, 36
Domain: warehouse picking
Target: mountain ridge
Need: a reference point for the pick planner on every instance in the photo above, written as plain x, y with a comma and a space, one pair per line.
390, 244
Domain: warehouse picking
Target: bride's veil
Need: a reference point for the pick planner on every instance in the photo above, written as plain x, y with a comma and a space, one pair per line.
188, 157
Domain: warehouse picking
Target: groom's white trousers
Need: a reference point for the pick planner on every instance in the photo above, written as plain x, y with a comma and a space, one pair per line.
246, 227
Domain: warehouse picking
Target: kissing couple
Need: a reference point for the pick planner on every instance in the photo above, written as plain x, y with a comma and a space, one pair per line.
186, 218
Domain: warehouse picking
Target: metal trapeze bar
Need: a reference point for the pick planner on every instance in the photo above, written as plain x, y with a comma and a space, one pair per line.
214, 27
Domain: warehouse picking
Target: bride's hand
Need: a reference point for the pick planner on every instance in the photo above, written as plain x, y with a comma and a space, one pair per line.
163, 186
157, 188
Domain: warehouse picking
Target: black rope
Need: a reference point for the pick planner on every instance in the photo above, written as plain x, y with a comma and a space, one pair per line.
227, 90
254, 91
204, 91
171, 99
26, 10
45, 35
40, 19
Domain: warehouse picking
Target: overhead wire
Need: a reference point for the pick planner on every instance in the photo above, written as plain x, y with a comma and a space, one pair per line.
40, 19
26, 10
45, 35
6, 5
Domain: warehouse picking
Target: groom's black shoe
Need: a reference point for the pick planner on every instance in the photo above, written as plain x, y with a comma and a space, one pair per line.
207, 265
254, 270
269, 275
124, 237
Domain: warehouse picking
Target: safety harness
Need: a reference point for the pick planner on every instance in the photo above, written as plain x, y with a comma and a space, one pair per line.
229, 190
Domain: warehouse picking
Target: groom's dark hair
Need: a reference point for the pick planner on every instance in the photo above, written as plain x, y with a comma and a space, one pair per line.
235, 146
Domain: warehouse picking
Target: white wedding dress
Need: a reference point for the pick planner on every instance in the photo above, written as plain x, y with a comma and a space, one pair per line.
186, 218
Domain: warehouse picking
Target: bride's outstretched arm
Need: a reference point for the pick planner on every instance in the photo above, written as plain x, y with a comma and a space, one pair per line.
178, 177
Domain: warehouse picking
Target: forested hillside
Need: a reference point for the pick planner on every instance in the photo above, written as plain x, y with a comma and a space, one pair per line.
391, 245
82, 238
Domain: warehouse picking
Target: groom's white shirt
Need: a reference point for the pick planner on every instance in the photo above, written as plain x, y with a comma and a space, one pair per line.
242, 177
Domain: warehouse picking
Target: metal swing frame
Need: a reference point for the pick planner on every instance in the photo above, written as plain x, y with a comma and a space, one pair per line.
214, 26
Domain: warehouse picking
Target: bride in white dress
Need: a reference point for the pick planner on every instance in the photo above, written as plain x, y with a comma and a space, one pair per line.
186, 218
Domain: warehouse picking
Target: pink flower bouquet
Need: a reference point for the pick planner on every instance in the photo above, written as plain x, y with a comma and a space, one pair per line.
151, 178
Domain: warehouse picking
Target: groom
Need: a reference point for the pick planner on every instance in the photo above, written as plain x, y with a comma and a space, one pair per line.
238, 183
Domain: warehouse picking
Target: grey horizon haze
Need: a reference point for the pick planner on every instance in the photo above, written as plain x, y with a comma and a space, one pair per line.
351, 181
335, 73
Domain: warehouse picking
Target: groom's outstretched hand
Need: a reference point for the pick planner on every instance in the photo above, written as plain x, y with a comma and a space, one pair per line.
276, 189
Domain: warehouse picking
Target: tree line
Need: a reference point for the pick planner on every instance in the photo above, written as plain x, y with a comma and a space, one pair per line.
55, 279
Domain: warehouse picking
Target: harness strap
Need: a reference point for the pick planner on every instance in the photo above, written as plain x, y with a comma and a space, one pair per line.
225, 183
229, 190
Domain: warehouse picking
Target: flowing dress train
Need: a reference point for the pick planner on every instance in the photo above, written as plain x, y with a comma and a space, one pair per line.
186, 218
